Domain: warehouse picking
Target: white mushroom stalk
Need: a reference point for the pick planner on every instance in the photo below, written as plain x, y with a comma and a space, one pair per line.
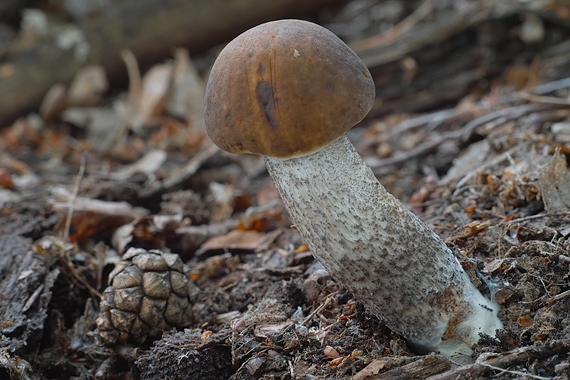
389, 259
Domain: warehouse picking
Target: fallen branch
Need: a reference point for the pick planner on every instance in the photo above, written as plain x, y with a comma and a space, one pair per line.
488, 363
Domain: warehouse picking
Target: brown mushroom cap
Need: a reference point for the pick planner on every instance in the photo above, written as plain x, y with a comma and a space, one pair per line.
285, 89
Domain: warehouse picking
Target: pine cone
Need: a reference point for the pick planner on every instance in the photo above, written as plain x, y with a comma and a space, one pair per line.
150, 293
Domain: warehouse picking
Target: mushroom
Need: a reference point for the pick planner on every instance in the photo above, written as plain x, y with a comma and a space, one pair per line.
289, 90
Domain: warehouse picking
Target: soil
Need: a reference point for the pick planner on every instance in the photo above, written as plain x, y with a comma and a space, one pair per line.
487, 171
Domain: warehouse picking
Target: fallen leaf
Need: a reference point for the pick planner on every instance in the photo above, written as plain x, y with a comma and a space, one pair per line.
492, 266
236, 239
554, 184
87, 87
331, 353
186, 96
91, 216
525, 322
336, 361
155, 86
100, 123
473, 228
215, 266
6, 180
54, 102
148, 165
192, 237
223, 201
418, 198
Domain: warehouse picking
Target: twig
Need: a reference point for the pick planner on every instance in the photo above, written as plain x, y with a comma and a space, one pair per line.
406, 24
83, 282
179, 175
449, 24
542, 99
74, 195
418, 121
419, 150
525, 374
489, 164
440, 116
498, 117
33, 298
561, 295
291, 369
326, 302
499, 361
532, 217
543, 89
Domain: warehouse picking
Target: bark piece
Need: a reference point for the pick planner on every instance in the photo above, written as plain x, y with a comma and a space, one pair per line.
419, 369
184, 355
25, 289
487, 363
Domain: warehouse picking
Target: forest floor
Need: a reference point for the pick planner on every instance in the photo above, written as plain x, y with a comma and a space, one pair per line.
470, 130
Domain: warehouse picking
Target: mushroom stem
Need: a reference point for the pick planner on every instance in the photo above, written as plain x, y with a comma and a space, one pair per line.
381, 252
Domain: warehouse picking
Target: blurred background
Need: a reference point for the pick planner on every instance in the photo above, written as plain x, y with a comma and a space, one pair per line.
423, 54
103, 148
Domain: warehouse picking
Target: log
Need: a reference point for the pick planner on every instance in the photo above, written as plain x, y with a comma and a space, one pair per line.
149, 28
435, 63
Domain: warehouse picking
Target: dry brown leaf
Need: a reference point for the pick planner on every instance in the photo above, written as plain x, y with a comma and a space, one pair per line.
54, 102
186, 95
146, 96
554, 184
87, 87
6, 179
223, 201
122, 237
192, 237
492, 266
236, 239
155, 86
91, 216
147, 164
149, 232
215, 266
473, 228
100, 124
88, 223
371, 370
525, 322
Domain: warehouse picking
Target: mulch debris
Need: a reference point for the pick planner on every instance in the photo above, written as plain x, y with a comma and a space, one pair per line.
485, 167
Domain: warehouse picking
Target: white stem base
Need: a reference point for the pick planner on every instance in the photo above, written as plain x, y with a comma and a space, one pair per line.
389, 259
